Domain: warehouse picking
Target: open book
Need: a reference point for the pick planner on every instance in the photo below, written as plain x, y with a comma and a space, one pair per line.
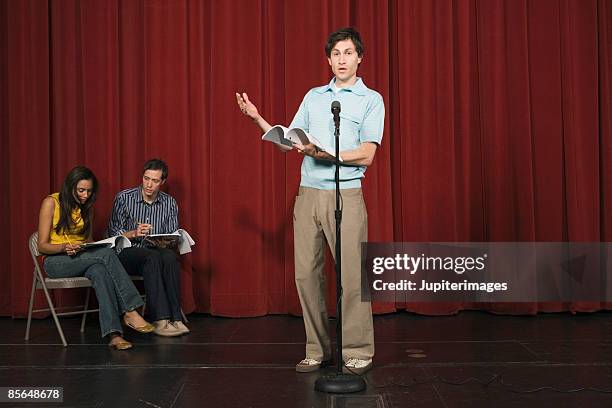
286, 137
182, 237
118, 242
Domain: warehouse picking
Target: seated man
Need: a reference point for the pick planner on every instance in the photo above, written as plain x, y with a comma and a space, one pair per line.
138, 212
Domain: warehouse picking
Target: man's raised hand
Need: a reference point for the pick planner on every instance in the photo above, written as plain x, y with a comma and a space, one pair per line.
246, 106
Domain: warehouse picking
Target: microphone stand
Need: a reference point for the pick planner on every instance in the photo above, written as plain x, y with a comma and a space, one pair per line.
338, 382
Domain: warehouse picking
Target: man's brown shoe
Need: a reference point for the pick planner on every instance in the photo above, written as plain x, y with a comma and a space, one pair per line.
165, 329
180, 326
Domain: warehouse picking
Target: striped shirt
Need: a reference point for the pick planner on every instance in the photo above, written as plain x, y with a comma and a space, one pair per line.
130, 209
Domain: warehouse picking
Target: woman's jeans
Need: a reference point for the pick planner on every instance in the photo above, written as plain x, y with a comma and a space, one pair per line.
115, 290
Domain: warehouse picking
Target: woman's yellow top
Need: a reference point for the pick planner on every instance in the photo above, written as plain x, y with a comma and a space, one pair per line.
67, 237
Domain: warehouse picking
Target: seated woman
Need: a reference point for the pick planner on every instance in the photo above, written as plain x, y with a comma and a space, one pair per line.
65, 222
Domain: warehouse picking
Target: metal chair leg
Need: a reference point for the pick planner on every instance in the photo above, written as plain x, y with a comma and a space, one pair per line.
85, 310
27, 334
57, 323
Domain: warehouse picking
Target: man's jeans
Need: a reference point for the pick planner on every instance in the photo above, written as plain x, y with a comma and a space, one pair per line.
115, 290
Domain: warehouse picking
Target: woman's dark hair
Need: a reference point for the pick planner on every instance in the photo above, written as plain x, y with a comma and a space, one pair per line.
348, 33
68, 202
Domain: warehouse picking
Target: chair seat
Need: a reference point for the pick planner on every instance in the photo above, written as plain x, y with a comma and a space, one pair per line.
67, 283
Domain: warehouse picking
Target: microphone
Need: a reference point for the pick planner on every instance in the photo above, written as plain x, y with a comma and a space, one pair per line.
335, 108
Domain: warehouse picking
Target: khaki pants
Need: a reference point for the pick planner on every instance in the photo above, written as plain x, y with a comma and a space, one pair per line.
314, 224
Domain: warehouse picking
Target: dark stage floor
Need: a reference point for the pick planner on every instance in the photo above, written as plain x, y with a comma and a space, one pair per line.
250, 363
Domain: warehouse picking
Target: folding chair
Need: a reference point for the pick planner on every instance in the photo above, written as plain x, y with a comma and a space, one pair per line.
41, 282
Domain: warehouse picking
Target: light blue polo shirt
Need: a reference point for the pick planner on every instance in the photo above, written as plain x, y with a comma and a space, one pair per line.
362, 119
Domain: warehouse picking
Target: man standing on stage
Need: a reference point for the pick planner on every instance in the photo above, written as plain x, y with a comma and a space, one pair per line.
141, 211
361, 128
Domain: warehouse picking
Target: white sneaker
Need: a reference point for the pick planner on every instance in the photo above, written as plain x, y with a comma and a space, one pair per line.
180, 326
165, 329
308, 365
356, 366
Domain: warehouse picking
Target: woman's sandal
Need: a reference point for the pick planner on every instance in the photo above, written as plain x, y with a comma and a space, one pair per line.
146, 328
120, 345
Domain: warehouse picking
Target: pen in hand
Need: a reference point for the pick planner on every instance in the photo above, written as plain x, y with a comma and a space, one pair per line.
71, 249
143, 228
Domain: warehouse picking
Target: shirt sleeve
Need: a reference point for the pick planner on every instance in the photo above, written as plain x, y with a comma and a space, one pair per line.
374, 121
301, 120
117, 222
173, 223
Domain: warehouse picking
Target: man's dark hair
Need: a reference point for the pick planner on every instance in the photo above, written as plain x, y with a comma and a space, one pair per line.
156, 164
348, 33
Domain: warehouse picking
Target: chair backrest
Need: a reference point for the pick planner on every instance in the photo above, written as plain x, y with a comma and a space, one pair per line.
33, 244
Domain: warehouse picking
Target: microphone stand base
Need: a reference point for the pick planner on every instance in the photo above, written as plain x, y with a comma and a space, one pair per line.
340, 383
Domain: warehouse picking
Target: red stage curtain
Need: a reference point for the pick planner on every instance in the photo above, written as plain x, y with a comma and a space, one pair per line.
498, 126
